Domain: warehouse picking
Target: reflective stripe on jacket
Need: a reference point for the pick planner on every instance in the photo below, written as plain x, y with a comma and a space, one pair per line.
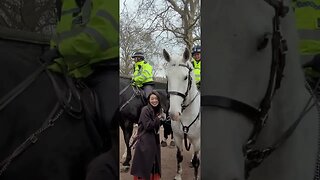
308, 23
88, 35
142, 73
197, 70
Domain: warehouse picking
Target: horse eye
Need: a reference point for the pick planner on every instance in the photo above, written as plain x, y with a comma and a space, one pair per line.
185, 78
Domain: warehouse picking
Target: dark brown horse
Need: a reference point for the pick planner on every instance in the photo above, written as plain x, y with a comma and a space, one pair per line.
46, 131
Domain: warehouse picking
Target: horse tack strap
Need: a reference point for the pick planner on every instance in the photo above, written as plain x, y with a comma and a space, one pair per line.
185, 130
33, 138
183, 65
185, 106
73, 93
232, 104
254, 157
278, 5
177, 93
136, 92
124, 89
257, 117
5, 100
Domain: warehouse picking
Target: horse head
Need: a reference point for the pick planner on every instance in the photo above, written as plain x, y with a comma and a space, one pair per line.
180, 78
245, 67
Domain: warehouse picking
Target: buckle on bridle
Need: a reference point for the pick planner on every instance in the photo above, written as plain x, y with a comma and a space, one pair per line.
33, 139
185, 129
263, 120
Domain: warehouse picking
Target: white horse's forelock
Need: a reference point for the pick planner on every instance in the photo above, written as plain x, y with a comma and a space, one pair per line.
175, 60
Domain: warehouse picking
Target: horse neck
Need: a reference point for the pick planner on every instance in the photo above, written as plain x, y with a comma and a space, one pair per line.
193, 91
193, 102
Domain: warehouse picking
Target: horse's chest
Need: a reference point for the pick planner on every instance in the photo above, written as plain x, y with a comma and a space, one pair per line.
193, 130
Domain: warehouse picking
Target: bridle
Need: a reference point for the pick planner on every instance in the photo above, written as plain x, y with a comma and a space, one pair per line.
68, 104
183, 105
259, 116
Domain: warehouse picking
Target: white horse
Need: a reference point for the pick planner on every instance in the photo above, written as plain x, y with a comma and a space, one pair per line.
184, 108
236, 70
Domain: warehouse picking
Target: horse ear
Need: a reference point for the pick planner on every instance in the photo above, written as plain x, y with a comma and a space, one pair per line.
186, 55
166, 55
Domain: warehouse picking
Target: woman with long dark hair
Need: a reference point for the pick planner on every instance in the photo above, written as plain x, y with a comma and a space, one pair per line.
146, 164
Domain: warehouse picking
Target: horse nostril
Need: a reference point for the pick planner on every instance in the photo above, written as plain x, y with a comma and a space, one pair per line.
179, 113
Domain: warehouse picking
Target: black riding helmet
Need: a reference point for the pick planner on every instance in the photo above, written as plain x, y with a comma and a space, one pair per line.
138, 54
196, 49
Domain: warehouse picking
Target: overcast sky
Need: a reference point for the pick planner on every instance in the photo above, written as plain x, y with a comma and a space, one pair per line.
132, 6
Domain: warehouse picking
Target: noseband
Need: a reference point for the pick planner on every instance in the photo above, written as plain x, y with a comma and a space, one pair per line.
259, 116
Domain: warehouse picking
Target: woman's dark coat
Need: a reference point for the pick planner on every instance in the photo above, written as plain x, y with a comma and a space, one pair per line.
147, 149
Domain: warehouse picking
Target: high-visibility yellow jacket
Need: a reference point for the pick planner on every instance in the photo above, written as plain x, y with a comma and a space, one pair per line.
308, 24
142, 73
197, 70
87, 35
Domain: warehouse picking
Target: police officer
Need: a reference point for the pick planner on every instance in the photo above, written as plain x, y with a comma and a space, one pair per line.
308, 24
142, 75
196, 62
86, 44
307, 14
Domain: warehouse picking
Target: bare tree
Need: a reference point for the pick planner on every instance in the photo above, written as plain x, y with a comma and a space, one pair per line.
30, 16
134, 37
170, 24
180, 18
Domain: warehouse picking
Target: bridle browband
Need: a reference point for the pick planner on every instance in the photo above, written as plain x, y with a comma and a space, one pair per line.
185, 129
259, 116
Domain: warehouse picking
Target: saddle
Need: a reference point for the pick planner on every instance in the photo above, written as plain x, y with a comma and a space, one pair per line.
143, 96
140, 92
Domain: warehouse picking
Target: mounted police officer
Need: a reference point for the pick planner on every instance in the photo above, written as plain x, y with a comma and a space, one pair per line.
196, 62
142, 75
86, 47
308, 23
